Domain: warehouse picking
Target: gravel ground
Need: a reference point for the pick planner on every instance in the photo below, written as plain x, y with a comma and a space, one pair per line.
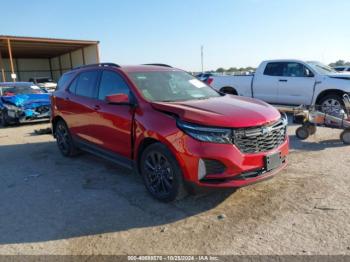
85, 205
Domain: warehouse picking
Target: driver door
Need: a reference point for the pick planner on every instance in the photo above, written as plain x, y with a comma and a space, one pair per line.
296, 86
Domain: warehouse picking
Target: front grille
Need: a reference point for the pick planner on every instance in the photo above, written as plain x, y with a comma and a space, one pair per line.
261, 139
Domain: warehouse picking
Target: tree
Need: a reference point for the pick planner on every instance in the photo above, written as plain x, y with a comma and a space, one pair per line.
339, 63
220, 70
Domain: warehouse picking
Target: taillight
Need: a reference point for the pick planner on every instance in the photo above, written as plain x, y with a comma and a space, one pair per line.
209, 80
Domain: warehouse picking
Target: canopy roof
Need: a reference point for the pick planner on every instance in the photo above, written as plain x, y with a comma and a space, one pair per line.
36, 47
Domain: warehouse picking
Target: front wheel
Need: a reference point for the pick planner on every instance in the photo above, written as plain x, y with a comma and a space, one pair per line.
161, 173
64, 139
332, 104
4, 119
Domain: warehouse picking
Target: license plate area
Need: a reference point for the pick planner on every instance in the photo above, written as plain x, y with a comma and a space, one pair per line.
273, 161
11, 114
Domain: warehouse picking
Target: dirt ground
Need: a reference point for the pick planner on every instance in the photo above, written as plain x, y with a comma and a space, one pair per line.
53, 205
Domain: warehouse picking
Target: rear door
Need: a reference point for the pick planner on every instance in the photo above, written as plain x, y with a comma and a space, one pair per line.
296, 85
114, 121
80, 110
266, 83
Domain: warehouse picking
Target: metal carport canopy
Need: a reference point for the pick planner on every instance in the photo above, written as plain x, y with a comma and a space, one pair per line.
36, 47
19, 47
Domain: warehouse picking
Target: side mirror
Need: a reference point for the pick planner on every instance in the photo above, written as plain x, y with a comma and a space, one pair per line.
118, 99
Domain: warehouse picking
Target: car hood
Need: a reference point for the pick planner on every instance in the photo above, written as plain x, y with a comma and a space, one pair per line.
344, 76
27, 101
225, 111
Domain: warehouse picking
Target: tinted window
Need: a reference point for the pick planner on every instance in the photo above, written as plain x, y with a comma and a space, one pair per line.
112, 83
86, 84
295, 70
274, 69
348, 69
64, 80
73, 86
340, 69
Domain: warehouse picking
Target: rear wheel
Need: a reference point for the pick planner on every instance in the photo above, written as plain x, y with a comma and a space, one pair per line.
64, 139
302, 132
345, 136
161, 173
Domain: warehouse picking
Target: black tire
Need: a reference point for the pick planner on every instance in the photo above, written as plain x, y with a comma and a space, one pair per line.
4, 119
345, 136
161, 173
64, 140
302, 133
228, 90
332, 104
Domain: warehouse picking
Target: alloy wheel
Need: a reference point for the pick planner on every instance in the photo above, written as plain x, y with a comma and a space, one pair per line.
331, 106
159, 173
62, 137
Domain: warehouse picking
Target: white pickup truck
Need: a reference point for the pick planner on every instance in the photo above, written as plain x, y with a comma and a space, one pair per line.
289, 82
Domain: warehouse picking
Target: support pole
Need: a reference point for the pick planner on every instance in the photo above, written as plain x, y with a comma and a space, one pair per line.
2, 68
83, 54
98, 54
202, 58
11, 60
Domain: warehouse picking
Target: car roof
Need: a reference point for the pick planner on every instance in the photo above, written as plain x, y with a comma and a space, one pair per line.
16, 84
127, 68
146, 68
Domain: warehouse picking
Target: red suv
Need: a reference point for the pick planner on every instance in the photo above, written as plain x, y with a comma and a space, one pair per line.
174, 129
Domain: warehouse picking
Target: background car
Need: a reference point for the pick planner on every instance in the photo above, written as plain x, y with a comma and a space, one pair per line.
45, 83
342, 68
23, 102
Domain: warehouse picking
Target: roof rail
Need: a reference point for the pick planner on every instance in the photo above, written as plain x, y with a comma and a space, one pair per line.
157, 64
99, 65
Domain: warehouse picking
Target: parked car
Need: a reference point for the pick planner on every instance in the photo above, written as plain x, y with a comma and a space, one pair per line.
23, 102
45, 83
205, 76
174, 129
342, 68
289, 82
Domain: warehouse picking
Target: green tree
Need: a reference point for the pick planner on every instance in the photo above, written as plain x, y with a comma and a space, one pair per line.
220, 70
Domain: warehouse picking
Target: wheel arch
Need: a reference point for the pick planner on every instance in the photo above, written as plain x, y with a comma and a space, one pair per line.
150, 140
327, 92
229, 90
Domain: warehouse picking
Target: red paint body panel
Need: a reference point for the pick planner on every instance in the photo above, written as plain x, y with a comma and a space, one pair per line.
121, 129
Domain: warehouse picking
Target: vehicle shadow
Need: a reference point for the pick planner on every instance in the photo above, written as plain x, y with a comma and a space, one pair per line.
304, 145
45, 196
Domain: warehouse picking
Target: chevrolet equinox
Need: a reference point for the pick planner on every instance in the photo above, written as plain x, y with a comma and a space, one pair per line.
175, 130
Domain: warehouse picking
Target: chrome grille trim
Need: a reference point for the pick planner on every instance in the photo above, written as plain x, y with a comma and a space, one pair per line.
261, 139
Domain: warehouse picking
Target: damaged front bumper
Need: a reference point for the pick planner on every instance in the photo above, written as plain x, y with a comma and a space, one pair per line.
20, 115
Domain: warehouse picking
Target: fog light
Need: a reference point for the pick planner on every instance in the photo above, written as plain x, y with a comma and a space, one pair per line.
202, 171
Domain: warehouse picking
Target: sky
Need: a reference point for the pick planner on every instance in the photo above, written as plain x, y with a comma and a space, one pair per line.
234, 33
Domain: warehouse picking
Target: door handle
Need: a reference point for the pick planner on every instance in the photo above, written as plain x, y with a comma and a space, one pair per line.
283, 80
97, 107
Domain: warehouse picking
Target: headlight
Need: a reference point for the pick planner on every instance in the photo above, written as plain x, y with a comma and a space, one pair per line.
11, 107
207, 134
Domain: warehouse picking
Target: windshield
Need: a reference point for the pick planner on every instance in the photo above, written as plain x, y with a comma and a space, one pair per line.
171, 86
44, 80
321, 68
20, 90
